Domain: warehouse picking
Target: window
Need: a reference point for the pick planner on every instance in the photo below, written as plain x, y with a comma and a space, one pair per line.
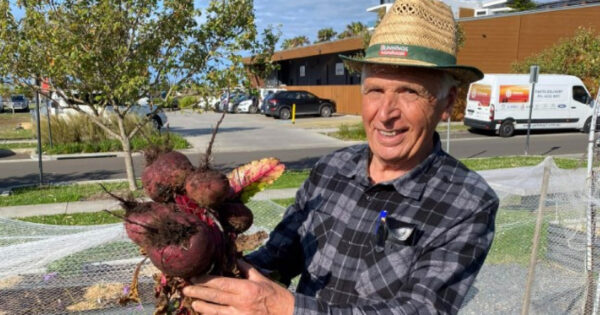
302, 70
580, 94
339, 68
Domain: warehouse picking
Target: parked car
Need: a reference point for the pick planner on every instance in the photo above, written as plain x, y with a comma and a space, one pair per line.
246, 104
263, 92
280, 104
18, 103
264, 105
142, 109
226, 104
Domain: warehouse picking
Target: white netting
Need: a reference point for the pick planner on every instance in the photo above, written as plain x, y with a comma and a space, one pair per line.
55, 269
559, 280
47, 269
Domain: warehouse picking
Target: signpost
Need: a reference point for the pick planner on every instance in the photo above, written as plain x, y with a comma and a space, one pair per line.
39, 136
533, 78
45, 87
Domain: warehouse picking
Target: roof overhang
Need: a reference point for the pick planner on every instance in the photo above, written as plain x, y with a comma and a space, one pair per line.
338, 46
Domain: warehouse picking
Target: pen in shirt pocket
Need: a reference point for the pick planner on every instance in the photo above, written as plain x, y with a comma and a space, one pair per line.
381, 231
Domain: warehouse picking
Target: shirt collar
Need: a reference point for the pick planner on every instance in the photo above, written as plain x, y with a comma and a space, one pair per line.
411, 184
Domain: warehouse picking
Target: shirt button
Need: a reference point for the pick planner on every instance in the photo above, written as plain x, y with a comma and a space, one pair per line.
368, 197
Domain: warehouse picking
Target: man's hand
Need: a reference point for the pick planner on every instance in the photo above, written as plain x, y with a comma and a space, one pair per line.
254, 295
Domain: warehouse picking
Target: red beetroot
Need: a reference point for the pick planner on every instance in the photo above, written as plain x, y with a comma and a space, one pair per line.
235, 217
183, 245
140, 220
207, 187
166, 176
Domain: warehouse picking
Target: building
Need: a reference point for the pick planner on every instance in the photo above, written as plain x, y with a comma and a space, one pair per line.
477, 8
493, 43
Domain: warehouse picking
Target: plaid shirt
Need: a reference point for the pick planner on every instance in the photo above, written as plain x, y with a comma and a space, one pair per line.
329, 237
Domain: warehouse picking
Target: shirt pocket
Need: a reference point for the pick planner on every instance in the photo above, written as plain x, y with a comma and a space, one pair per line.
385, 272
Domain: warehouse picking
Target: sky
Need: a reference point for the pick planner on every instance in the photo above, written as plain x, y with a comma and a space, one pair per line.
307, 17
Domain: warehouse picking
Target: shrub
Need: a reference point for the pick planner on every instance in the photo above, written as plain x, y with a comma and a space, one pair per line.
81, 128
78, 134
578, 55
188, 102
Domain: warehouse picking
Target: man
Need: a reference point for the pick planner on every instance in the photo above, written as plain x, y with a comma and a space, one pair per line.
393, 227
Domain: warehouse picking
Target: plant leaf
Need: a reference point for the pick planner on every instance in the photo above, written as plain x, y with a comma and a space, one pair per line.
248, 179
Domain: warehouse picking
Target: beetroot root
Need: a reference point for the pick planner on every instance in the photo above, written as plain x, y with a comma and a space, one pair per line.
140, 221
207, 187
235, 217
183, 246
166, 176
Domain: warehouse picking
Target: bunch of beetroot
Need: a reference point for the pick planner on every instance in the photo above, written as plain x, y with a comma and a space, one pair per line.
192, 224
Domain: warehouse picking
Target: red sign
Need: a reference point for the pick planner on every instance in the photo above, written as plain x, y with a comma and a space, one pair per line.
45, 85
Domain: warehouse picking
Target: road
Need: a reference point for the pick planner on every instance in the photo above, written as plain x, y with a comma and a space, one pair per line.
243, 138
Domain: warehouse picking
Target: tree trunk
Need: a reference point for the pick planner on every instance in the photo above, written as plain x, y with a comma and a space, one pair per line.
128, 158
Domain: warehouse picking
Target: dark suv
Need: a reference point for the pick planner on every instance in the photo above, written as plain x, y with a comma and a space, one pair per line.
280, 104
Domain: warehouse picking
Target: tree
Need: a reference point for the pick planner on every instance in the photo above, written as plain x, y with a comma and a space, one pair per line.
120, 51
261, 64
325, 35
521, 5
353, 29
294, 42
576, 55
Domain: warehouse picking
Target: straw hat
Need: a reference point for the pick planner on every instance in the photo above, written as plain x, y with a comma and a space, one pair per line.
416, 33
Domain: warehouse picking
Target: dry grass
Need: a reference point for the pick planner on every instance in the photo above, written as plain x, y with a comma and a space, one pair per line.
97, 296
10, 282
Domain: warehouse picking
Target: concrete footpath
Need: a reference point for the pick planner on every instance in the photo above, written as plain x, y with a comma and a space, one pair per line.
108, 204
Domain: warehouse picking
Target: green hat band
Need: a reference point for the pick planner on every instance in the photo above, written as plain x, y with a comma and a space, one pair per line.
410, 52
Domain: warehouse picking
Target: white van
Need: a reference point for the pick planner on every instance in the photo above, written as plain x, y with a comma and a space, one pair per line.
500, 103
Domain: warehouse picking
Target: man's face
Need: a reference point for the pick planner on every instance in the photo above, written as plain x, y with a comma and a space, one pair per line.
400, 112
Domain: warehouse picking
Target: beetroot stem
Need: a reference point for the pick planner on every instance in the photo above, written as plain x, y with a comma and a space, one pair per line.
212, 140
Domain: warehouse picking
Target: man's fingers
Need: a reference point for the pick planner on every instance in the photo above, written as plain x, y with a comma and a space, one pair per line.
250, 271
206, 308
226, 284
209, 294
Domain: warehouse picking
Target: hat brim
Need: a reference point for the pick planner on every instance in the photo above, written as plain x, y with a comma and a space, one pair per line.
464, 74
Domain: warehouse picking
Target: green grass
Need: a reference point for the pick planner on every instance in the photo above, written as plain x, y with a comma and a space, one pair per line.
350, 132
286, 202
74, 264
63, 193
357, 131
90, 218
290, 179
9, 123
112, 145
480, 164
17, 145
513, 239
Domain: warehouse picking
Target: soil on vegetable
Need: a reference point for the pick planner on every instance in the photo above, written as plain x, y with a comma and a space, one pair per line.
250, 242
